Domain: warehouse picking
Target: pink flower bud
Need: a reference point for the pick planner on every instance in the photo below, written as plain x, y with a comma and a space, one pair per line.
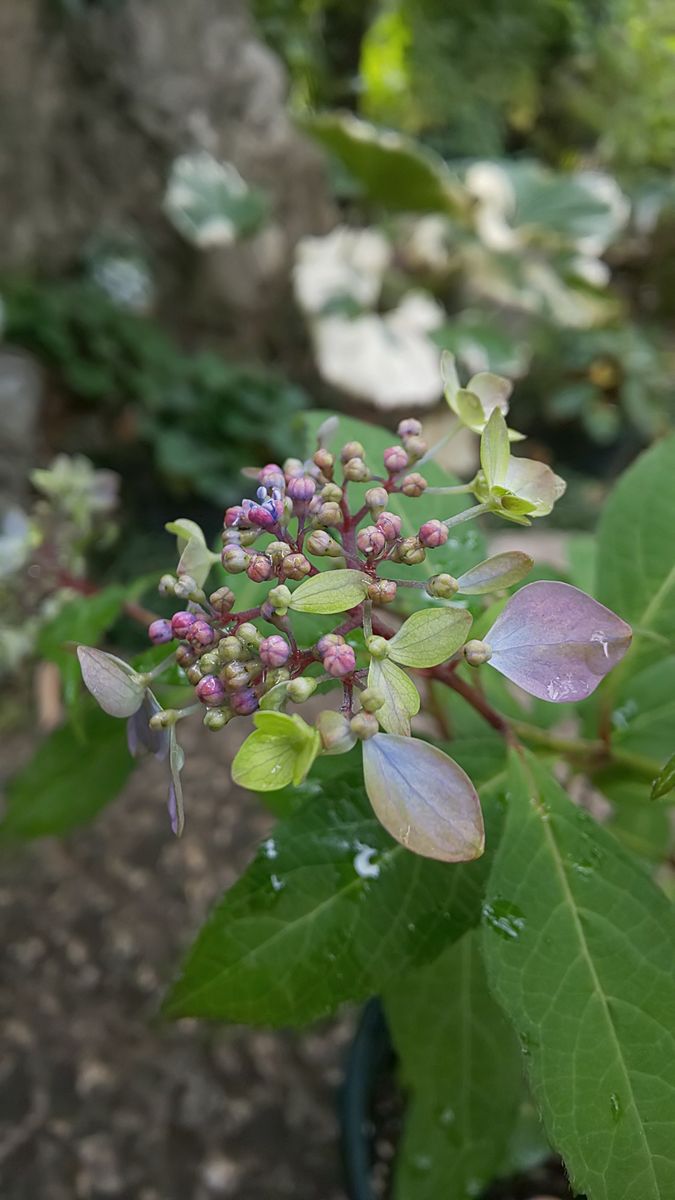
409, 427
271, 476
327, 642
274, 651
433, 533
233, 516
382, 591
257, 514
395, 459
325, 461
390, 525
160, 632
339, 660
260, 568
413, 485
371, 540
181, 623
301, 488
200, 633
210, 690
244, 703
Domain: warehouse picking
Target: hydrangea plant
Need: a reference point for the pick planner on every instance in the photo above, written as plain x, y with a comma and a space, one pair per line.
402, 685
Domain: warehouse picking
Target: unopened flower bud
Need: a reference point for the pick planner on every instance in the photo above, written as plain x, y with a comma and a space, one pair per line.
409, 427
259, 568
442, 586
211, 690
325, 461
272, 476
295, 566
331, 491
244, 703
187, 588
200, 634
235, 676
217, 718
377, 499
167, 585
395, 459
415, 447
160, 632
301, 689
333, 728
319, 543
364, 725
274, 651
275, 676
409, 551
372, 699
261, 516
164, 719
234, 516
377, 647
194, 673
339, 661
229, 649
276, 551
413, 485
280, 598
371, 540
223, 600
476, 653
301, 488
209, 663
356, 470
328, 640
185, 657
382, 591
433, 533
330, 514
293, 467
248, 635
390, 525
247, 537
351, 450
234, 559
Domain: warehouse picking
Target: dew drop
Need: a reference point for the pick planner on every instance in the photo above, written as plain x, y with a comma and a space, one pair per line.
363, 864
421, 1163
446, 1118
505, 918
278, 884
269, 848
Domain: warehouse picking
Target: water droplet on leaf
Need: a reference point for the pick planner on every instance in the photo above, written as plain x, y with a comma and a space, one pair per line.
504, 918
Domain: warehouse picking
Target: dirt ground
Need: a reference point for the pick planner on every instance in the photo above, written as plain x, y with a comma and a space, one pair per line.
98, 1099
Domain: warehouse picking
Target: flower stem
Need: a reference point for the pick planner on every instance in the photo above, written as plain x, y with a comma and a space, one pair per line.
467, 515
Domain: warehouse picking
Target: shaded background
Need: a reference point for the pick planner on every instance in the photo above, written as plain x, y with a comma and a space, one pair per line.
200, 238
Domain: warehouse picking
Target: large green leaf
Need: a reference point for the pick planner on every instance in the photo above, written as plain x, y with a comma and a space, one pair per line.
329, 910
636, 556
394, 171
70, 778
579, 949
461, 1062
643, 716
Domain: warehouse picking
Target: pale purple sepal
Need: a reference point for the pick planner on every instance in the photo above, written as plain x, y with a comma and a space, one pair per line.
141, 739
556, 642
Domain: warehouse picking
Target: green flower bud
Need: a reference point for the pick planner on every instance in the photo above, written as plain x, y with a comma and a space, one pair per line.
356, 470
476, 652
217, 718
280, 598
223, 600
277, 551
194, 674
352, 450
333, 728
371, 699
301, 689
377, 647
229, 649
277, 675
209, 663
234, 559
320, 542
332, 492
364, 725
167, 585
382, 591
187, 588
415, 447
409, 551
330, 514
163, 719
248, 635
377, 499
442, 586
248, 536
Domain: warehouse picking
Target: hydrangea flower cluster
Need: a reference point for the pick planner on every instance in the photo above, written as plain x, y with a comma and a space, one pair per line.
324, 537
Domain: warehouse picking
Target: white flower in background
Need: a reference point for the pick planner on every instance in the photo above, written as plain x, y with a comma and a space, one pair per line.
209, 202
347, 264
387, 360
424, 244
608, 224
496, 203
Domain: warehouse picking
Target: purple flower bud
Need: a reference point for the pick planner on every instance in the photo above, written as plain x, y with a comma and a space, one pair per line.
210, 690
233, 516
326, 642
160, 632
301, 488
390, 525
371, 540
261, 515
395, 459
272, 476
295, 566
181, 622
433, 533
413, 485
410, 427
259, 568
274, 651
339, 660
200, 633
244, 703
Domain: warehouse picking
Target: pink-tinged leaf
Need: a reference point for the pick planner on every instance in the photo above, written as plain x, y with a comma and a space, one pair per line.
423, 799
556, 642
115, 686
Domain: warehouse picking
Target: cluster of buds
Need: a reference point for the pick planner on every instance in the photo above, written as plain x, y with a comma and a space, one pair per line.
337, 535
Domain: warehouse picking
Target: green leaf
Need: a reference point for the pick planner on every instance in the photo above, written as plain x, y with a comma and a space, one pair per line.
423, 798
401, 697
264, 762
664, 783
493, 574
70, 778
579, 951
460, 1063
430, 636
643, 716
330, 592
636, 555
395, 171
330, 910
